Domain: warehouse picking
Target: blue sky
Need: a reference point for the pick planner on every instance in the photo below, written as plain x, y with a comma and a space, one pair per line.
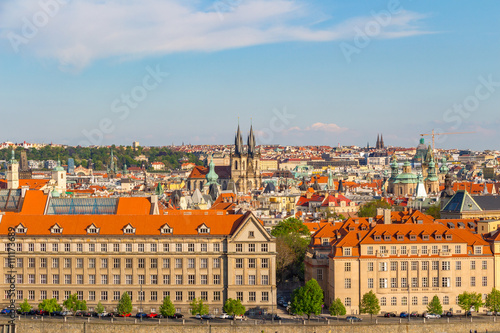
303, 72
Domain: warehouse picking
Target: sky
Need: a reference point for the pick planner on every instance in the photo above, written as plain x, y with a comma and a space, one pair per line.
161, 72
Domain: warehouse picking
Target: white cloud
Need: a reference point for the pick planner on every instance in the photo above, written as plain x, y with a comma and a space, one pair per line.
82, 31
316, 127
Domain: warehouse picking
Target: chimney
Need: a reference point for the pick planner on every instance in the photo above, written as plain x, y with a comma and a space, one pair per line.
387, 216
380, 211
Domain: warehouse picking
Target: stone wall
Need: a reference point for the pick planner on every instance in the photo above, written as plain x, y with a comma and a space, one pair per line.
85, 327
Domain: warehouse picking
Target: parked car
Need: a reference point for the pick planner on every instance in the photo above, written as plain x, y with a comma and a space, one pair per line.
176, 316
414, 314
153, 315
141, 315
389, 314
224, 316
403, 314
448, 314
240, 317
5, 311
208, 316
123, 314
353, 318
56, 313
66, 313
468, 314
198, 316
276, 317
432, 316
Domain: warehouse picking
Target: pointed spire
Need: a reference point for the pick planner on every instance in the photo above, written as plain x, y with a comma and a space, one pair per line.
238, 141
381, 142
251, 143
377, 146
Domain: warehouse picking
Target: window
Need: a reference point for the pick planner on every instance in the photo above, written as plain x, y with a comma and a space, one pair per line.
191, 263
251, 280
425, 300
178, 295
485, 281
394, 301
128, 263
473, 264
403, 249
140, 247
265, 296
91, 247
104, 295
239, 247
265, 279
104, 263
251, 247
425, 265
404, 283
239, 295
478, 249
92, 279
383, 266
166, 247
191, 295
347, 301
404, 265
382, 283
166, 262
190, 247
178, 279
203, 247
178, 263
153, 247
204, 262
383, 301
43, 278
414, 282
67, 247
31, 247
67, 262
79, 279
79, 262
393, 250
445, 265
446, 300
264, 263
458, 265
445, 282
216, 279
458, 281
458, 249
435, 282
104, 279
31, 262
394, 282
394, 265
128, 279
104, 247
347, 251
55, 262
414, 300
239, 280
55, 279
239, 263
414, 265
191, 279
484, 264
55, 247
319, 274
140, 278
217, 247
43, 247
434, 249
369, 250
31, 278
347, 283
370, 283
116, 295
216, 263
153, 263
404, 300
370, 267
67, 293
347, 267
264, 248
166, 294
128, 247
43, 262
178, 247
166, 279
424, 249
43, 294
91, 295
116, 247
414, 249
251, 296
79, 247
435, 265
116, 263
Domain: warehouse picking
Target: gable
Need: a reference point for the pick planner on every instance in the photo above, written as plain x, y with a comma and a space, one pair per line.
251, 230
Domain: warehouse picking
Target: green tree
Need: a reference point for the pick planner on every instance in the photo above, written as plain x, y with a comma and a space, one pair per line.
434, 211
307, 299
435, 306
233, 307
369, 304
74, 304
292, 238
198, 307
470, 300
337, 308
49, 305
369, 209
167, 309
25, 307
493, 301
99, 308
125, 304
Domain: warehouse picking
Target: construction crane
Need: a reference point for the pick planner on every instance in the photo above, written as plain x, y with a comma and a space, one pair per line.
447, 133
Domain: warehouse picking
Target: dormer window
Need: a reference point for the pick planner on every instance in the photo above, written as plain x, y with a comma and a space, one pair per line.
92, 229
129, 229
425, 237
56, 229
387, 237
413, 237
166, 229
20, 229
478, 250
439, 237
448, 237
251, 234
400, 237
325, 241
203, 229
351, 228
377, 237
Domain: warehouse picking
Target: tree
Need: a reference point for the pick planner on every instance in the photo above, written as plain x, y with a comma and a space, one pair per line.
25, 307
307, 299
233, 307
167, 309
435, 306
337, 308
198, 307
369, 209
125, 304
493, 301
49, 305
369, 304
99, 308
470, 300
74, 304
289, 226
434, 211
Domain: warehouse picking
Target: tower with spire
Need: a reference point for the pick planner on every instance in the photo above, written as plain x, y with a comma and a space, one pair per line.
13, 173
245, 163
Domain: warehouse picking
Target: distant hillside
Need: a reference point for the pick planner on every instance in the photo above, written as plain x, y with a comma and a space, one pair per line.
101, 156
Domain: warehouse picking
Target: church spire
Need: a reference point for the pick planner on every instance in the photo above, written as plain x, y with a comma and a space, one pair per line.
377, 146
251, 143
381, 142
238, 142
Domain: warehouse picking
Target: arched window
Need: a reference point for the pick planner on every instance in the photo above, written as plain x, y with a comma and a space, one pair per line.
235, 165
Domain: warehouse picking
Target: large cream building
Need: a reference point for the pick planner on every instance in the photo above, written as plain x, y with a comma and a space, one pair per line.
405, 258
100, 248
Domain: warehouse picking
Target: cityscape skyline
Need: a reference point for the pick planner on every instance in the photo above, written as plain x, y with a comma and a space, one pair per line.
303, 73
